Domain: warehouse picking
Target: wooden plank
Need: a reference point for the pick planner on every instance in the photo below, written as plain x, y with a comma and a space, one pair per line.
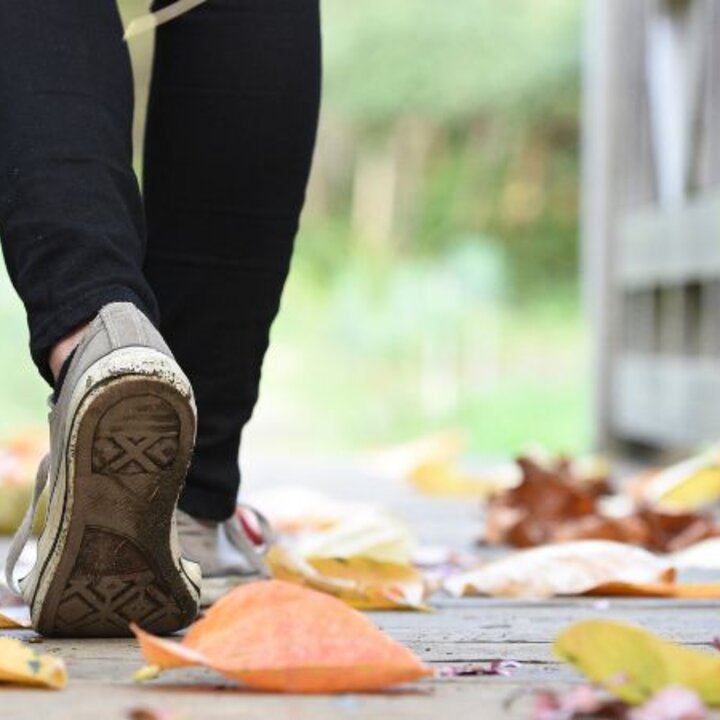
461, 630
669, 400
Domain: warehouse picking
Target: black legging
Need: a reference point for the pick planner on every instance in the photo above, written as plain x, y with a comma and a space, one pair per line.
230, 133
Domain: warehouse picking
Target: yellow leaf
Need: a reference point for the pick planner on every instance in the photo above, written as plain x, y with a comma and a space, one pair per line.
634, 664
362, 583
441, 478
10, 623
21, 665
148, 672
19, 458
399, 460
571, 568
686, 486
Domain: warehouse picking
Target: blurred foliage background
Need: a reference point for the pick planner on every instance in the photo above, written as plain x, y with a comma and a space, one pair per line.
435, 282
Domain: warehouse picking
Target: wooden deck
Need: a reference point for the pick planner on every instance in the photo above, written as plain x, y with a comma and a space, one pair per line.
461, 631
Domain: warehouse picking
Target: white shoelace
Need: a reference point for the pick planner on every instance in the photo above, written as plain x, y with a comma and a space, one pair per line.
20, 541
152, 20
239, 537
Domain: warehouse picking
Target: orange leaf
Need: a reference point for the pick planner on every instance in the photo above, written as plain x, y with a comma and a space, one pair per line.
690, 591
272, 635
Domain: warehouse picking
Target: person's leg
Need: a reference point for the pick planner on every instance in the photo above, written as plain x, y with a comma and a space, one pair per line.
231, 129
71, 218
122, 424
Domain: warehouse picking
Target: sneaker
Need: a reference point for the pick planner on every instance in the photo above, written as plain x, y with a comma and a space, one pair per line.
121, 437
229, 553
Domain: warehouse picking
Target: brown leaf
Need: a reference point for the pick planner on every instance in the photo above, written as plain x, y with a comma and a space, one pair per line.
526, 515
550, 506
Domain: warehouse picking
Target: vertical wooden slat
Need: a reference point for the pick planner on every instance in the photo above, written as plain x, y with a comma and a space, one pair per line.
652, 275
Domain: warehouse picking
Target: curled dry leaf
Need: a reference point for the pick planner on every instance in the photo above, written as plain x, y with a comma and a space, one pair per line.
431, 467
704, 555
548, 507
526, 515
443, 478
633, 664
564, 569
662, 532
663, 589
364, 584
294, 509
371, 534
273, 635
684, 487
398, 461
21, 665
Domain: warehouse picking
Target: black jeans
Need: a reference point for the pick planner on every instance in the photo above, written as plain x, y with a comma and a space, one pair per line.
230, 133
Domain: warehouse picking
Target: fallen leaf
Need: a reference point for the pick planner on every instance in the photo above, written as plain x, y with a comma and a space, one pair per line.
273, 635
372, 535
704, 554
549, 507
659, 531
431, 466
398, 461
527, 515
7, 622
634, 664
684, 487
443, 478
564, 569
687, 591
19, 458
294, 509
21, 665
362, 583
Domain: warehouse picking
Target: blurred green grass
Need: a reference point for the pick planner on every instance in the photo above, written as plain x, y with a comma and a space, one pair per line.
435, 281
345, 370
22, 392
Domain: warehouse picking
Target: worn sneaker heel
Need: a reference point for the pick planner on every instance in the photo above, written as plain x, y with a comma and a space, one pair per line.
129, 446
130, 450
121, 437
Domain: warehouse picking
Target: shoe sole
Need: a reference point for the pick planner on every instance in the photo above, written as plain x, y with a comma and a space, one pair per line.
113, 561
